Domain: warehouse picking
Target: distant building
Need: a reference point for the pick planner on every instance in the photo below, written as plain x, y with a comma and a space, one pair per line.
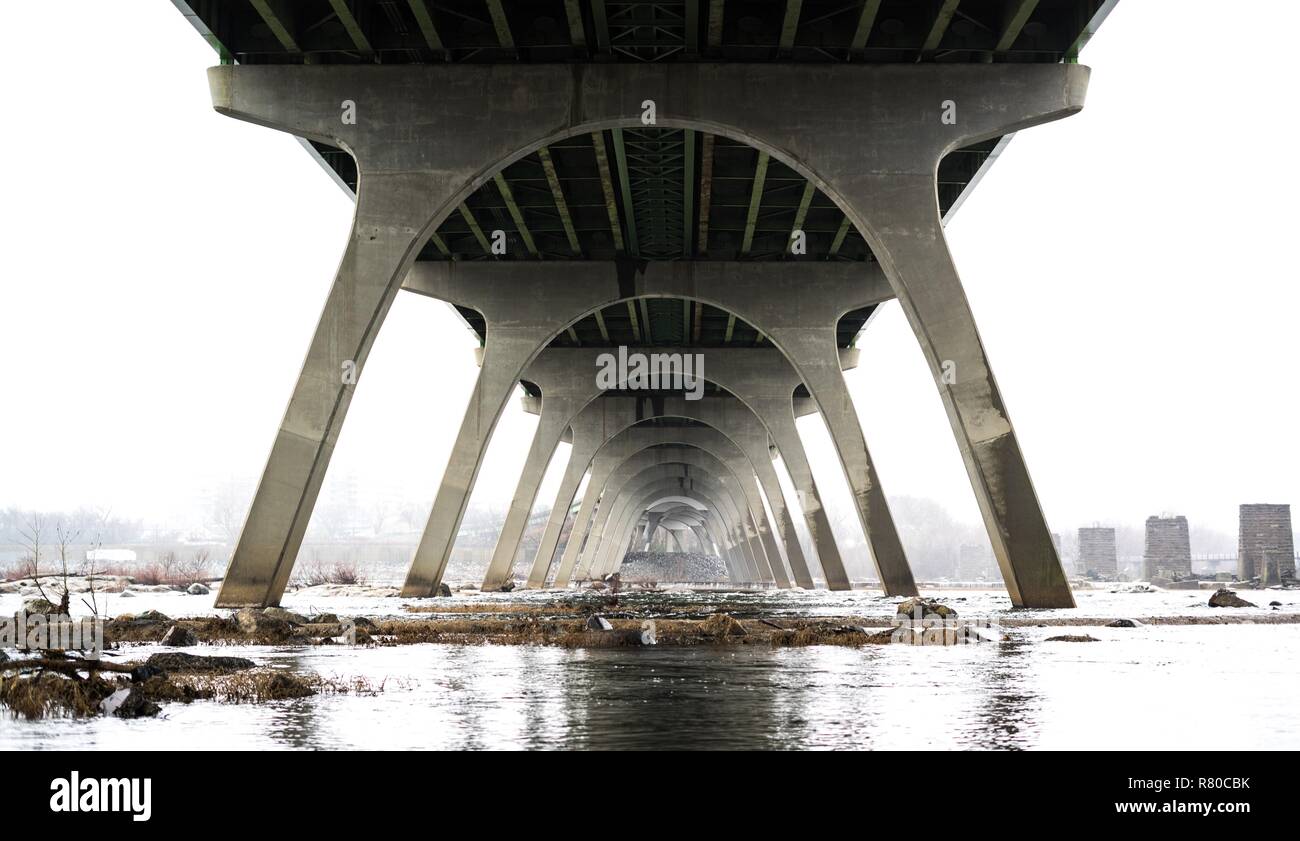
1168, 552
1265, 544
1097, 552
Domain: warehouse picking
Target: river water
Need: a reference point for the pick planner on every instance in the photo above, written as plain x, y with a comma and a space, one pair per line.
1157, 686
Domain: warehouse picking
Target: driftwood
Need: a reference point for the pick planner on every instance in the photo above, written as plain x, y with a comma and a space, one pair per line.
67, 667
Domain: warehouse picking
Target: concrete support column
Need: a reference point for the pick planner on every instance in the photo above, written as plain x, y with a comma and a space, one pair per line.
550, 429
379, 250
590, 429
907, 235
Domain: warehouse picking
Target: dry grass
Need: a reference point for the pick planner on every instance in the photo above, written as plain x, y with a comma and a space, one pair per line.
51, 695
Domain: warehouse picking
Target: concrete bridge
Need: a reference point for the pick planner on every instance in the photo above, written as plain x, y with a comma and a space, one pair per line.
743, 182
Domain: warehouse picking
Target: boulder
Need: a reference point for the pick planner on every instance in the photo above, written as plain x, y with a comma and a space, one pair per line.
1073, 638
506, 587
129, 703
443, 589
4, 658
919, 608
178, 636
1124, 623
176, 661
325, 619
253, 621
197, 589
152, 616
1227, 598
1275, 604
285, 615
39, 605
596, 622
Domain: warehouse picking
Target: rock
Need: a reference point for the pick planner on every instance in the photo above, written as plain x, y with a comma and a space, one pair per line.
4, 658
443, 589
126, 594
597, 585
596, 622
919, 608
152, 616
506, 587
39, 605
197, 589
179, 637
1073, 638
285, 615
363, 622
325, 619
253, 621
1124, 623
284, 685
176, 661
723, 625
1274, 604
1227, 598
135, 705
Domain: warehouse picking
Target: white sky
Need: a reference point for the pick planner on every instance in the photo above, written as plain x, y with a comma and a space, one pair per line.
1130, 269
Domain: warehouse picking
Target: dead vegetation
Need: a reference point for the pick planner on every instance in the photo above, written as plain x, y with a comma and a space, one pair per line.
41, 688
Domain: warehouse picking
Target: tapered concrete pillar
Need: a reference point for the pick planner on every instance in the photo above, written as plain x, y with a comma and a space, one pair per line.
765, 382
736, 421
401, 197
566, 378
591, 428
517, 331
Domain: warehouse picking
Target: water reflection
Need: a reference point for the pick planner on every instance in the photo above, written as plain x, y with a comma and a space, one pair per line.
1020, 692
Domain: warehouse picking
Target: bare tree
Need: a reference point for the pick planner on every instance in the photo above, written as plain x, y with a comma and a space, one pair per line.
65, 535
379, 515
197, 568
30, 534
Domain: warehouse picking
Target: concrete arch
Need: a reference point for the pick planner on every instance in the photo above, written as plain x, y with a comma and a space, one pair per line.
638, 439
729, 415
877, 162
605, 534
597, 555
662, 481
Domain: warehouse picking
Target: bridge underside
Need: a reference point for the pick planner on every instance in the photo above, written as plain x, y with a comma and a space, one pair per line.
693, 180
